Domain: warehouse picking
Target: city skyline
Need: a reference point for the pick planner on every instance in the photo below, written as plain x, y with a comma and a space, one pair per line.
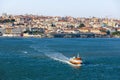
77, 8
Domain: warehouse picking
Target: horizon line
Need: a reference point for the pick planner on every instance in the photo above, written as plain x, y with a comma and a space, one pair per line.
36, 14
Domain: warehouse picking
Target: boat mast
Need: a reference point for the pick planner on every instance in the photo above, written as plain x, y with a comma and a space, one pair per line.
78, 55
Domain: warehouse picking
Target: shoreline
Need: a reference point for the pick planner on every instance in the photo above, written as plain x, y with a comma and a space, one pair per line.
63, 37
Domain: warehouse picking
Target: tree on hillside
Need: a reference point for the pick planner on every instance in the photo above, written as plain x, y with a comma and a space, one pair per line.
7, 20
53, 25
116, 33
81, 25
108, 32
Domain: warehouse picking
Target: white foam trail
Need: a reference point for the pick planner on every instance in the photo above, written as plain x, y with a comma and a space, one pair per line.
57, 56
60, 57
25, 52
53, 55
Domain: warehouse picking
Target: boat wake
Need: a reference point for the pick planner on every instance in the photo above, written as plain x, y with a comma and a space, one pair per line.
60, 57
53, 55
57, 56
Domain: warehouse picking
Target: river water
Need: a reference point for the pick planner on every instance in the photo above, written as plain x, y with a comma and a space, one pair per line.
45, 59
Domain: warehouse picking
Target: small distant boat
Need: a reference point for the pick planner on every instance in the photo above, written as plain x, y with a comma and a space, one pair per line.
76, 60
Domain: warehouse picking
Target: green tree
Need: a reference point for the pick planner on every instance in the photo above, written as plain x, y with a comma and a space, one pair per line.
116, 33
108, 32
81, 25
53, 25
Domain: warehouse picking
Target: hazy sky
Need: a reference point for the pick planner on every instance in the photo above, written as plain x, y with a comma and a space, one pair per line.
75, 8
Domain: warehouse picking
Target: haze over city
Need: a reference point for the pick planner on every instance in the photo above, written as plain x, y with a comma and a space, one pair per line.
75, 8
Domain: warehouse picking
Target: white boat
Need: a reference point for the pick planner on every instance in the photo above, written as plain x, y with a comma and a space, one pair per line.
76, 60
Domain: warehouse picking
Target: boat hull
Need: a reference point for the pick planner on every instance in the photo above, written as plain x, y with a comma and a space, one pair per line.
75, 65
76, 62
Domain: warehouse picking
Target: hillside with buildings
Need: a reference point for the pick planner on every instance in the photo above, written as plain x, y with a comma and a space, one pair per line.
57, 26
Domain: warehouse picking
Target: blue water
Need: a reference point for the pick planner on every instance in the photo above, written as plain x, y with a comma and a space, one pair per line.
44, 59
